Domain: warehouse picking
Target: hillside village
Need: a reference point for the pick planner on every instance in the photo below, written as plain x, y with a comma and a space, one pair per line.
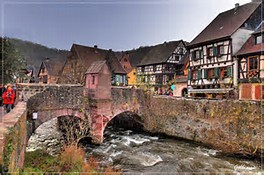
225, 60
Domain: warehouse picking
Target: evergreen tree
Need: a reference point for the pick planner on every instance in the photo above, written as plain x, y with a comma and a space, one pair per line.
12, 63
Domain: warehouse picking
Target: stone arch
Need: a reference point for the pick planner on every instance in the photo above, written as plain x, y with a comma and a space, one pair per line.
127, 119
44, 116
184, 91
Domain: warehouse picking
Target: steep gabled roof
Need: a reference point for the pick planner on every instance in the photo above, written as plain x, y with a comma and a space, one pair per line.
52, 66
88, 55
159, 53
95, 67
114, 64
226, 23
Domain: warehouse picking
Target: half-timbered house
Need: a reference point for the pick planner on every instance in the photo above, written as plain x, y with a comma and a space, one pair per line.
160, 64
213, 70
251, 67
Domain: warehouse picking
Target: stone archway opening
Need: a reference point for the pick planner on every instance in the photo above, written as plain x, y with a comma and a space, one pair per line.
46, 137
127, 120
56, 132
184, 92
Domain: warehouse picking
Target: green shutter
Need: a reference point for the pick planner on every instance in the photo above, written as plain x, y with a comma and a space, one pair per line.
215, 51
189, 75
201, 55
229, 71
205, 73
192, 55
199, 74
216, 72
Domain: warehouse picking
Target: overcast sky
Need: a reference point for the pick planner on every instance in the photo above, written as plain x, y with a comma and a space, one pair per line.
116, 24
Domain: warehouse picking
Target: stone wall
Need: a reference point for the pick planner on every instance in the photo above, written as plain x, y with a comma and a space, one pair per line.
14, 142
232, 126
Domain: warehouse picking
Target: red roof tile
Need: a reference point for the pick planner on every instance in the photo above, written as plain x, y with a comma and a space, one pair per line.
250, 47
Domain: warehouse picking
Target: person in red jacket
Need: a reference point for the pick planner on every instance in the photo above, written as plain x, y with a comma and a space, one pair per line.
8, 98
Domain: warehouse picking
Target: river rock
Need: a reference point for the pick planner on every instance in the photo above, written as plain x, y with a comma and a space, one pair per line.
46, 137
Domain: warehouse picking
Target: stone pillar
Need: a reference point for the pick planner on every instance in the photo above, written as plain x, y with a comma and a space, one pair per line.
97, 129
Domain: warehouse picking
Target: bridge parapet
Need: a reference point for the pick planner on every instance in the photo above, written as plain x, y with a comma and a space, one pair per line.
27, 90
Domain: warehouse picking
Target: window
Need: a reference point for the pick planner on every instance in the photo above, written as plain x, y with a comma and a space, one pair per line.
195, 74
258, 39
210, 52
221, 50
93, 79
253, 63
125, 60
195, 55
139, 69
210, 73
158, 67
223, 72
42, 70
148, 68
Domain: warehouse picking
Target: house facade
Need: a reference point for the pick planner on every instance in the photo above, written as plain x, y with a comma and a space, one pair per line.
160, 64
82, 57
213, 70
251, 67
98, 80
181, 78
49, 71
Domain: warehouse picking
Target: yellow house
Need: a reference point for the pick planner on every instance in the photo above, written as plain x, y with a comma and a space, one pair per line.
131, 71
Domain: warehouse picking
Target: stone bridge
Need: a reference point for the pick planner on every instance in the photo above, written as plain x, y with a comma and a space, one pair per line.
232, 126
46, 102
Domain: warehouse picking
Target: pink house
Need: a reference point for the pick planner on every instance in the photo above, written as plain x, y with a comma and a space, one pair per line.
98, 80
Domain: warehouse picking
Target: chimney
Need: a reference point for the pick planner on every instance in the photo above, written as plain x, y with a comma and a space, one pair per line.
236, 6
96, 48
47, 59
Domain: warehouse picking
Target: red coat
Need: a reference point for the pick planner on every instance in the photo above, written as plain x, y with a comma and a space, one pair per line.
8, 97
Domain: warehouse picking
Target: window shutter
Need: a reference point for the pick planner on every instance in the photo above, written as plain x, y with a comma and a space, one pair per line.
205, 73
229, 71
201, 55
189, 75
192, 55
216, 72
199, 74
215, 51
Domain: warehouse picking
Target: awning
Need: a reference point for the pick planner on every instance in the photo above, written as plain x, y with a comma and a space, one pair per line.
198, 91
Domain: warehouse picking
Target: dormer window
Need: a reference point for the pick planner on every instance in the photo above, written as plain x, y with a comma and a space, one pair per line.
259, 39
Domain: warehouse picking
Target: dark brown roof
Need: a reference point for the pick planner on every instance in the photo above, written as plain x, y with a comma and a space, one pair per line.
52, 66
88, 55
95, 67
225, 24
159, 53
114, 64
250, 47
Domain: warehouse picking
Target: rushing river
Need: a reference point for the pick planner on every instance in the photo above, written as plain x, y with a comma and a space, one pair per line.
136, 153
